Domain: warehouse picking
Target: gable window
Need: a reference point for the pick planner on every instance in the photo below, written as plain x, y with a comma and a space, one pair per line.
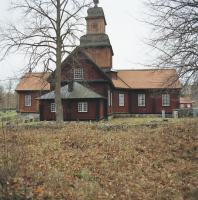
165, 99
121, 99
82, 107
28, 100
141, 99
53, 107
78, 73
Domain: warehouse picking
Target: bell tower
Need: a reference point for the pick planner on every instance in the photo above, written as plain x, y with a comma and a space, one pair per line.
96, 42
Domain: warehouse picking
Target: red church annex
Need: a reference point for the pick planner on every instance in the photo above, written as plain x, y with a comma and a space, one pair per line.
93, 90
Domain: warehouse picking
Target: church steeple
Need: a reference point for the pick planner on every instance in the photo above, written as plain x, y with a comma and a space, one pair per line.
96, 2
96, 21
96, 41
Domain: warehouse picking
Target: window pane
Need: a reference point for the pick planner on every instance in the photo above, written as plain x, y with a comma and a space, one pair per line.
53, 107
82, 107
28, 101
78, 73
121, 99
165, 100
141, 99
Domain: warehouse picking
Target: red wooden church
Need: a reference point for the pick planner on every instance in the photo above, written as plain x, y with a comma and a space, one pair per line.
93, 90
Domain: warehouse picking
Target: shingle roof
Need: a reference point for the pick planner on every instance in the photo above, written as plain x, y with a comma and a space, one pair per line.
147, 79
79, 92
185, 100
34, 82
96, 13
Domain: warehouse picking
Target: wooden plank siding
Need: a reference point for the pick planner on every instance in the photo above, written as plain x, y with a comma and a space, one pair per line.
90, 115
34, 103
168, 109
153, 104
88, 71
101, 56
148, 102
121, 109
48, 115
100, 28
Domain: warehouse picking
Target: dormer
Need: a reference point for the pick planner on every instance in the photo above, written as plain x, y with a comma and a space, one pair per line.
112, 73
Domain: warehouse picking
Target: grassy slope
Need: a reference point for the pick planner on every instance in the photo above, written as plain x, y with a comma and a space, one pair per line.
76, 162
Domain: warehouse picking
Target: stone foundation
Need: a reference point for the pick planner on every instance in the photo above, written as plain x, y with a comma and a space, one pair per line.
28, 116
142, 115
110, 117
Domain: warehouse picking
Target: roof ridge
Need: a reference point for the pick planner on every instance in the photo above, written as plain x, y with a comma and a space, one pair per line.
142, 69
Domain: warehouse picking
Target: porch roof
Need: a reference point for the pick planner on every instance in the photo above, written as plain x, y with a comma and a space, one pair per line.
79, 92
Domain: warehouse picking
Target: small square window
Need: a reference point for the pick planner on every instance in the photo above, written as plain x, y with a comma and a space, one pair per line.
182, 105
82, 107
121, 100
165, 99
28, 100
188, 105
141, 99
78, 73
53, 107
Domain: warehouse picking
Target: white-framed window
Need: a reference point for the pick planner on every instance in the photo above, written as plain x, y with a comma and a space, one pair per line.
141, 100
78, 73
53, 107
82, 107
182, 105
165, 99
188, 105
121, 99
28, 100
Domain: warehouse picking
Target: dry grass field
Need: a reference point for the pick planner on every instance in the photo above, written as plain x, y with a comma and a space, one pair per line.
75, 161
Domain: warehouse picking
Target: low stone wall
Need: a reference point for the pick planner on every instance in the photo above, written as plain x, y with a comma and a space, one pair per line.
182, 113
142, 115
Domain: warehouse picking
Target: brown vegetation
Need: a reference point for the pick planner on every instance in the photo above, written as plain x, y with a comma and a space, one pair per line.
76, 162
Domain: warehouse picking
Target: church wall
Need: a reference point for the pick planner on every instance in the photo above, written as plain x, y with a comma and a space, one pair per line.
121, 109
148, 103
90, 115
48, 115
168, 109
34, 103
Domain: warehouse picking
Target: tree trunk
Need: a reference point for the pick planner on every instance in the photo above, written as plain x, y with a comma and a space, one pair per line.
58, 103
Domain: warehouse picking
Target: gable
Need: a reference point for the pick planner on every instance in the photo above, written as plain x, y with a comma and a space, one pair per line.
79, 59
89, 72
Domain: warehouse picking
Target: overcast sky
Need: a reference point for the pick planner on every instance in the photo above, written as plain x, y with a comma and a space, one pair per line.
125, 33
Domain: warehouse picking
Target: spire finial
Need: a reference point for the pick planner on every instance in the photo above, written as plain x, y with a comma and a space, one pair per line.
96, 2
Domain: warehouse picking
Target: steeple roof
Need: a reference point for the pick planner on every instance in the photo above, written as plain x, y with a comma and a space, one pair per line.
96, 13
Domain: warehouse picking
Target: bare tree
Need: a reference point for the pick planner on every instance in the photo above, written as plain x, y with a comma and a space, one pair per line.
47, 31
174, 36
2, 97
